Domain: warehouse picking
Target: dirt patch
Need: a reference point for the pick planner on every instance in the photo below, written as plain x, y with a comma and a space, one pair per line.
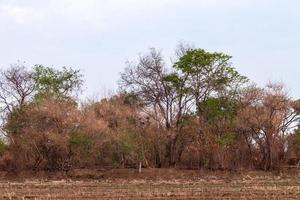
154, 184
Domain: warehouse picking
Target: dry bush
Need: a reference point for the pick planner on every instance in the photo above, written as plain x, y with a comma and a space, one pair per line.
39, 134
266, 119
123, 143
59, 135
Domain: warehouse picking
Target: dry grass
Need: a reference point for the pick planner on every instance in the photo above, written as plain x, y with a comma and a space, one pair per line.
157, 184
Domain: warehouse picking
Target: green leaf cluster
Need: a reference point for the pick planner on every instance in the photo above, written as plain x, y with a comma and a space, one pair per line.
56, 83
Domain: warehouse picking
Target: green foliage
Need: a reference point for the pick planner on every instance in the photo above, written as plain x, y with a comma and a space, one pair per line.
16, 120
126, 143
207, 73
80, 140
56, 83
3, 146
126, 149
217, 108
197, 61
174, 79
226, 139
296, 140
81, 148
131, 99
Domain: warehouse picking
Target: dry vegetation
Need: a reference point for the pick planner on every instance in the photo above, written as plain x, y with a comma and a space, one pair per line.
156, 184
198, 114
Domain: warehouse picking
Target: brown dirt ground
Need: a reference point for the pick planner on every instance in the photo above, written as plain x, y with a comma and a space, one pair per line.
150, 184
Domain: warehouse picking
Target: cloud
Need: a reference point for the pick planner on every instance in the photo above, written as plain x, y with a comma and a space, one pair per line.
93, 11
16, 13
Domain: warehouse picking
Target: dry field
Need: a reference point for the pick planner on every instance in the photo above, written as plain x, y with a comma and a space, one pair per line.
153, 184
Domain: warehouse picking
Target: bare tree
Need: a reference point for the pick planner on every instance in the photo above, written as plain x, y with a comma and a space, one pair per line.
16, 87
164, 102
266, 118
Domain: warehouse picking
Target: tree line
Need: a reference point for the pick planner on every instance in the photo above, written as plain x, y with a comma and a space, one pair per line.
198, 112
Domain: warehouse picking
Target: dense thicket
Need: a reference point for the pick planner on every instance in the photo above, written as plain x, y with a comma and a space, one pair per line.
198, 113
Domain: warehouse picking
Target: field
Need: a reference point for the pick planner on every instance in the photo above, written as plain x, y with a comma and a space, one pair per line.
152, 184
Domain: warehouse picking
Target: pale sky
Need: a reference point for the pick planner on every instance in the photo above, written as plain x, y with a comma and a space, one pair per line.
98, 36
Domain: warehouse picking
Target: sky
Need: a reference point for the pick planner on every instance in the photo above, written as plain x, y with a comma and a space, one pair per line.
99, 36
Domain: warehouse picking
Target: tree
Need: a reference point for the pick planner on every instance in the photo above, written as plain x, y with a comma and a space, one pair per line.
218, 136
20, 87
164, 101
56, 83
213, 86
172, 95
208, 74
267, 116
16, 87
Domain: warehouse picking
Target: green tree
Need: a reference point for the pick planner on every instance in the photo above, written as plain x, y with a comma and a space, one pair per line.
56, 83
213, 84
208, 74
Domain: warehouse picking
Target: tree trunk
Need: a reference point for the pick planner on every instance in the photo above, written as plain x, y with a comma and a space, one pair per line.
168, 154
157, 158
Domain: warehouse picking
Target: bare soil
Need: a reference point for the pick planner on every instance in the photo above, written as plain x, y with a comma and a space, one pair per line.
150, 184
